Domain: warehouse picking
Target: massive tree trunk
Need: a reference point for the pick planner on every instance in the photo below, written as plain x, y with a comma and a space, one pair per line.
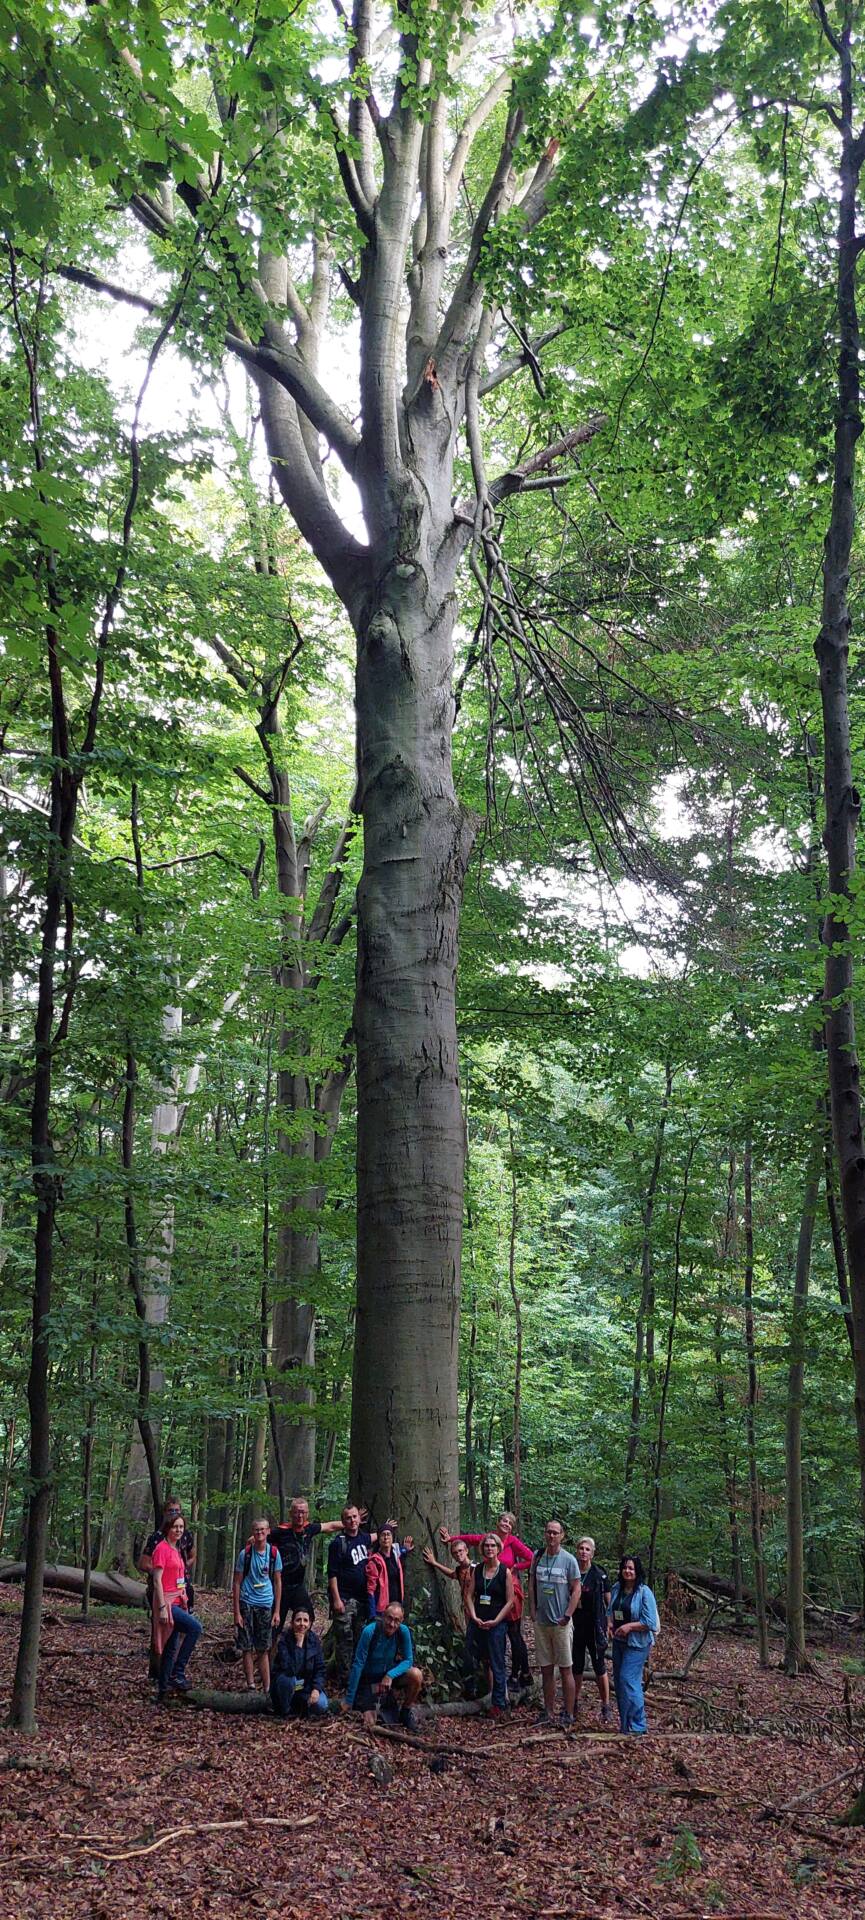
411, 1144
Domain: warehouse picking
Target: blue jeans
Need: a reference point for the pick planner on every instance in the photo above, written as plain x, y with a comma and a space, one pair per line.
488, 1646
179, 1648
628, 1664
286, 1694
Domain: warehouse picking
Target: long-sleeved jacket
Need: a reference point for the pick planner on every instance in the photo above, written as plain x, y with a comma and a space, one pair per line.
644, 1607
377, 1583
304, 1663
379, 1653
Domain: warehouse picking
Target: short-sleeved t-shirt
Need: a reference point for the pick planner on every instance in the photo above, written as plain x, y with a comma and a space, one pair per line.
593, 1607
554, 1576
293, 1549
346, 1564
173, 1572
256, 1588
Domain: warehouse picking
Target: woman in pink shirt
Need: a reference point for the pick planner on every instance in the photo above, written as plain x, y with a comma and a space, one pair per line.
175, 1631
516, 1556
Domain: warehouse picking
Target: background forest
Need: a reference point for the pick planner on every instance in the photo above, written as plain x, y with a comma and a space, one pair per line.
653, 1251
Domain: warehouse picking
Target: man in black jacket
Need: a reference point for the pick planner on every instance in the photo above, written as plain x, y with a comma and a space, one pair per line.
590, 1625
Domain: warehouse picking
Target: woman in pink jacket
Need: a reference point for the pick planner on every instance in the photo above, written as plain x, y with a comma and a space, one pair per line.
517, 1557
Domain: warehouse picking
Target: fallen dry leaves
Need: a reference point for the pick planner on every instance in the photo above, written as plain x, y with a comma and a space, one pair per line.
117, 1810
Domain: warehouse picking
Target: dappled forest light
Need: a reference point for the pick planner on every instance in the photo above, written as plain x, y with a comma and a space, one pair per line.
430, 936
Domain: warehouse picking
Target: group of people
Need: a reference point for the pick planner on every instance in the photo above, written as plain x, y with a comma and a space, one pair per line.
576, 1610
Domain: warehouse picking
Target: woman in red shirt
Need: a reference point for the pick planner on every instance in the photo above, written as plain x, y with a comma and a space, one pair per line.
514, 1555
175, 1631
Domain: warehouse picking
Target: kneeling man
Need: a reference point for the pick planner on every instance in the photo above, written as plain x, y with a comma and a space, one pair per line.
383, 1673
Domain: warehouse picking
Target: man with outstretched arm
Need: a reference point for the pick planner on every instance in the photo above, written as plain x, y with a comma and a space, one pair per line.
293, 1539
346, 1584
384, 1677
590, 1626
554, 1596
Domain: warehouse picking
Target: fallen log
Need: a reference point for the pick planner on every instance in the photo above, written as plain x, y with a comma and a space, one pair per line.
110, 1589
224, 1702
714, 1585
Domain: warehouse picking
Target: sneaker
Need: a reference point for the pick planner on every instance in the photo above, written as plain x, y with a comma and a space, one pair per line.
606, 1716
180, 1683
410, 1718
566, 1721
495, 1713
388, 1708
544, 1719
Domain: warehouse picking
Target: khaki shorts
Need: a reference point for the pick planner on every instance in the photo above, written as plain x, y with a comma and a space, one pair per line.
553, 1644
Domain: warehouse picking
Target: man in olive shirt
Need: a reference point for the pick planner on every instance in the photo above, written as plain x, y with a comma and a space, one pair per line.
554, 1595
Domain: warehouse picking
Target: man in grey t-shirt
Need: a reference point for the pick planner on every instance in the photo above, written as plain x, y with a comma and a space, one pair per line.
554, 1595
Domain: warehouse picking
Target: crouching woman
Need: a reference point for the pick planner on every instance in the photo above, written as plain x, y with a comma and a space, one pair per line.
297, 1681
634, 1623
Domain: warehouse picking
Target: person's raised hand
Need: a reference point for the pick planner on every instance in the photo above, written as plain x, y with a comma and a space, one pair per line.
444, 1533
408, 1543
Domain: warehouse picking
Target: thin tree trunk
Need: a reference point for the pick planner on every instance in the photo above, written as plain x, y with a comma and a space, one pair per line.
7, 1473
794, 1650
842, 798
518, 1322
644, 1310
668, 1362
728, 1247
751, 1419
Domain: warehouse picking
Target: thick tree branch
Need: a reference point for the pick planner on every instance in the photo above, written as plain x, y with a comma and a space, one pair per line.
466, 137
320, 920
281, 361
461, 318
82, 277
515, 362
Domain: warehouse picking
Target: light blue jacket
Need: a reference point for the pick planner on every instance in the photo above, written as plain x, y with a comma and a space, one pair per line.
379, 1653
644, 1607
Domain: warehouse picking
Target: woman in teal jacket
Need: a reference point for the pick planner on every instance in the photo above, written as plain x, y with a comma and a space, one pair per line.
634, 1624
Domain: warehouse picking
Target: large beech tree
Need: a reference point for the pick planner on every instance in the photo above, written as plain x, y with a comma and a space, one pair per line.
413, 181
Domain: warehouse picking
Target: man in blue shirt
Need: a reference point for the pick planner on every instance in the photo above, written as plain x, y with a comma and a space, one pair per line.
384, 1664
256, 1593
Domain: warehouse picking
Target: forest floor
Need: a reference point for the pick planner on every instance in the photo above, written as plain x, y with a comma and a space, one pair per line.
729, 1805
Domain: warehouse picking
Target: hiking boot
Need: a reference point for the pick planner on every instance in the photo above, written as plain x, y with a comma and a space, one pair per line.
410, 1719
606, 1716
566, 1721
544, 1719
388, 1709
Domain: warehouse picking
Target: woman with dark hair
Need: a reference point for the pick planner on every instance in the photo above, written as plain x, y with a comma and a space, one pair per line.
297, 1680
635, 1625
176, 1630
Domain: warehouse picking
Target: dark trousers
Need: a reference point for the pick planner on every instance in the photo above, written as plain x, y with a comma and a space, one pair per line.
520, 1669
292, 1597
488, 1646
347, 1628
179, 1647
